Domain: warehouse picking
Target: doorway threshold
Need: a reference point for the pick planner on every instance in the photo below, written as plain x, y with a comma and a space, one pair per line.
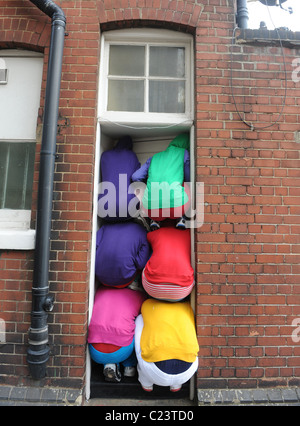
129, 387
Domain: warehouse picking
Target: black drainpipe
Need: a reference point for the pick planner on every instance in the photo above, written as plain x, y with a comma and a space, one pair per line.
42, 303
242, 16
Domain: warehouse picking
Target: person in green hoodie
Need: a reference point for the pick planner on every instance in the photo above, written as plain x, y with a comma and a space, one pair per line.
165, 195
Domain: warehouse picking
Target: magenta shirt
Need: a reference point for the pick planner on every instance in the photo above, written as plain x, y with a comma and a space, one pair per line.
114, 314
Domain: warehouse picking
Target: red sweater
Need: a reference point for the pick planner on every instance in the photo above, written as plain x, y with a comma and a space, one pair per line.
171, 258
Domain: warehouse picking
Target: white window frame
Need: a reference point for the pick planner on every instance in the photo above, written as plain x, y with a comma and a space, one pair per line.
148, 37
15, 232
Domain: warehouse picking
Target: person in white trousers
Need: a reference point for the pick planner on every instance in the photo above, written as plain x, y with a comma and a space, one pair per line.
148, 372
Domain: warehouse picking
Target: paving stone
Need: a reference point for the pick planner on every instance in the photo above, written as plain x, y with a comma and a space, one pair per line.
72, 396
18, 393
229, 396
33, 394
289, 395
244, 396
7, 403
217, 396
205, 396
274, 395
5, 392
260, 396
61, 397
50, 395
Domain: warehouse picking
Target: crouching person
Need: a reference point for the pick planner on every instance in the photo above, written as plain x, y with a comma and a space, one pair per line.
168, 274
111, 331
122, 251
166, 344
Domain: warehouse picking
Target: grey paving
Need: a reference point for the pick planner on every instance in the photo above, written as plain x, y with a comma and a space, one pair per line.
240, 397
19, 395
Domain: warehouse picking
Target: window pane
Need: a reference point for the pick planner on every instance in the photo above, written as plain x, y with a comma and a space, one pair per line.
29, 178
3, 170
127, 60
167, 96
17, 175
167, 62
20, 98
125, 95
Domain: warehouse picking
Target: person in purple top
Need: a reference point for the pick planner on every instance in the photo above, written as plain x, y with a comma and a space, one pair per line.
117, 166
122, 251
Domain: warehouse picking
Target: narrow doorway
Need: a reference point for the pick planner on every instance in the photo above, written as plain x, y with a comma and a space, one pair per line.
152, 103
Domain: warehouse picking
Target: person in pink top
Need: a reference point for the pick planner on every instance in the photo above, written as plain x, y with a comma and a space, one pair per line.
111, 330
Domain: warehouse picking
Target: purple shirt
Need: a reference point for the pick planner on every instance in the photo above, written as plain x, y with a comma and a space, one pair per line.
122, 250
117, 166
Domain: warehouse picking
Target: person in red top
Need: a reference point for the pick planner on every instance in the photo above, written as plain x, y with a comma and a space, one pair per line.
168, 274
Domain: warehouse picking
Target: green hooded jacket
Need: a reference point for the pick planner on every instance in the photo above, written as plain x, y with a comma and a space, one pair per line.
166, 175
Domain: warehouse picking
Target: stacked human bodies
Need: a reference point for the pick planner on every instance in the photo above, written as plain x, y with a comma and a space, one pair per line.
162, 338
122, 251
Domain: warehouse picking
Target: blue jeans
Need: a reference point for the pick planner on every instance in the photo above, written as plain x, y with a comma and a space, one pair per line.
124, 355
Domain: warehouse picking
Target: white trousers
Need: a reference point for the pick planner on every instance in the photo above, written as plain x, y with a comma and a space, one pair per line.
149, 374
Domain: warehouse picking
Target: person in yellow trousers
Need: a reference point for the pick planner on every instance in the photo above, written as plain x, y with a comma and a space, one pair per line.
166, 344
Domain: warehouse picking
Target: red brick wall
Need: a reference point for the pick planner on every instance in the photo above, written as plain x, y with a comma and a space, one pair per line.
247, 249
26, 27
